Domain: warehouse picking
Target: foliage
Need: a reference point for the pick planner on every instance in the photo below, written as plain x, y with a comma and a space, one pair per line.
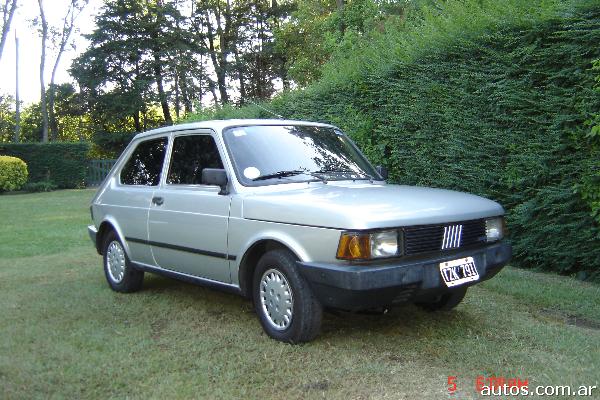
488, 97
590, 182
69, 117
318, 29
42, 186
7, 118
128, 49
110, 145
64, 164
146, 56
13, 173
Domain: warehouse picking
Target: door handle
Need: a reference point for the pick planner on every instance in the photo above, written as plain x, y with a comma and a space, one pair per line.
158, 201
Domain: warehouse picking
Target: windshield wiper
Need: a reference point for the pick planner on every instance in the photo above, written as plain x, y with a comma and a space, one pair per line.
344, 171
280, 174
291, 172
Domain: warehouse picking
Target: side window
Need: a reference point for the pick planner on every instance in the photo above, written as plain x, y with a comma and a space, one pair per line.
190, 155
145, 164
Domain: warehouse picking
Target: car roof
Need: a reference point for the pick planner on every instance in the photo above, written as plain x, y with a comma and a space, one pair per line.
220, 124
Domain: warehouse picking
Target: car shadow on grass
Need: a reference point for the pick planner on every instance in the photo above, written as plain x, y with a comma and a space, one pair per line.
404, 320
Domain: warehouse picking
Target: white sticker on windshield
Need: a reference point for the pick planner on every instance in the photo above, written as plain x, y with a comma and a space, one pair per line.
239, 132
251, 172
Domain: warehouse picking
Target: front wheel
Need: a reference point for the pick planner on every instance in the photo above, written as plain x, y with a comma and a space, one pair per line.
286, 307
120, 274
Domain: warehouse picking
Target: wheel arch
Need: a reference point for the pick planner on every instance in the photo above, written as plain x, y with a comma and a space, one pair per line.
106, 226
253, 253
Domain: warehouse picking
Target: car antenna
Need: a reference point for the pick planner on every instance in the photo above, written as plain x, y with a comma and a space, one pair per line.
267, 110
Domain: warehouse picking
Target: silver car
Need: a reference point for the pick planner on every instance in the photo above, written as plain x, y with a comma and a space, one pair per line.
291, 215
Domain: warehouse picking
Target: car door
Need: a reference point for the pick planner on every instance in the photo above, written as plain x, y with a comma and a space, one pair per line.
188, 220
130, 194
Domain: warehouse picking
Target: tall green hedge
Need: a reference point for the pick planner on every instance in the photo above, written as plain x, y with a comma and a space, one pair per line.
495, 108
61, 163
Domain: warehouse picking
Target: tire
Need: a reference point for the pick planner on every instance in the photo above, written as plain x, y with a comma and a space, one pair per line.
286, 306
446, 301
123, 277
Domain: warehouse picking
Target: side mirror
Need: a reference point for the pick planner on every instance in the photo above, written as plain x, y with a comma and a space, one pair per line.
217, 177
382, 171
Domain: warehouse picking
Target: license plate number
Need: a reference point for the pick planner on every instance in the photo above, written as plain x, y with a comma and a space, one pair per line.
458, 272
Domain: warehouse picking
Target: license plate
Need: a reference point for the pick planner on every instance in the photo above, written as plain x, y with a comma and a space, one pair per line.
457, 272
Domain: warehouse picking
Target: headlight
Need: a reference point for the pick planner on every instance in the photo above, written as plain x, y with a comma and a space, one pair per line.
494, 229
364, 246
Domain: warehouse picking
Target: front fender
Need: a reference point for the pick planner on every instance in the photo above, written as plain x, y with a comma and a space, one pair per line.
276, 236
307, 243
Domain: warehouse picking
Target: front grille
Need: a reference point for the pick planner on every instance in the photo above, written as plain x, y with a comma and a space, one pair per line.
454, 235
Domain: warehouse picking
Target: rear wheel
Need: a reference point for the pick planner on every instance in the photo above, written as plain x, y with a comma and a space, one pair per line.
120, 274
286, 307
446, 301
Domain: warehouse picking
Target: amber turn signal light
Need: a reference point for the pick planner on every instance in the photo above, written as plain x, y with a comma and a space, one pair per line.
354, 246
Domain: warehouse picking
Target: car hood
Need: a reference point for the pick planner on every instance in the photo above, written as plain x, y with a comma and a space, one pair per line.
366, 206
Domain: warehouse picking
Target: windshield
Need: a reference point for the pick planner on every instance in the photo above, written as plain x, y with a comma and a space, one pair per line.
265, 154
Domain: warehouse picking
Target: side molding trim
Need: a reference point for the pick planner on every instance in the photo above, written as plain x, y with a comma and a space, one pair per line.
182, 248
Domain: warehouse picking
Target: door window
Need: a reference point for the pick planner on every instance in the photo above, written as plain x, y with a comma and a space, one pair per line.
145, 164
190, 155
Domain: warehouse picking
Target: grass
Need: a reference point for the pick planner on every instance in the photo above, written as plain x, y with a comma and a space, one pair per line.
64, 334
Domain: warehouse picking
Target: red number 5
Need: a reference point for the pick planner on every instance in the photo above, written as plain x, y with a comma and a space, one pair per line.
452, 384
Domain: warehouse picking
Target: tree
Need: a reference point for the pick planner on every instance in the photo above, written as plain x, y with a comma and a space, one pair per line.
7, 118
43, 103
71, 117
212, 21
7, 8
238, 38
261, 60
129, 56
318, 28
60, 39
167, 54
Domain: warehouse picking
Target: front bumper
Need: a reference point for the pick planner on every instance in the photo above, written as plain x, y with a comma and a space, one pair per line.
359, 287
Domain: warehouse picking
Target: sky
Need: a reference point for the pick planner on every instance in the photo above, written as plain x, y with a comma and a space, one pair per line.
30, 47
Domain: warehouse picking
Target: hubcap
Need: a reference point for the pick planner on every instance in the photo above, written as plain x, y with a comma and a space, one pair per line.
276, 299
115, 259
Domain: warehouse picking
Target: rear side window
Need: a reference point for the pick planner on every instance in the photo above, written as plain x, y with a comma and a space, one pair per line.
145, 164
190, 155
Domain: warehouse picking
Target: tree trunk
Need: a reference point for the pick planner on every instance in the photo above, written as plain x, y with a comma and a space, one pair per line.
185, 94
340, 8
177, 98
283, 73
43, 107
52, 122
240, 77
218, 66
211, 87
162, 96
136, 121
9, 12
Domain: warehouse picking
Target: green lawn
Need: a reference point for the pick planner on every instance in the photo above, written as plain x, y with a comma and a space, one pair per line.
65, 334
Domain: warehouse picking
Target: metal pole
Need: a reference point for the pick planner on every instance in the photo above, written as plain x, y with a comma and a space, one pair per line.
17, 99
